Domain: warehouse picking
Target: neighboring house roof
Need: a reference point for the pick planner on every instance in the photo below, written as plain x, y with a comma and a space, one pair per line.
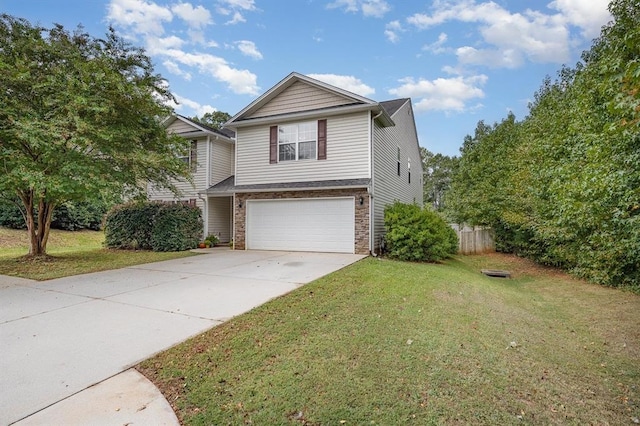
227, 187
394, 105
352, 103
200, 128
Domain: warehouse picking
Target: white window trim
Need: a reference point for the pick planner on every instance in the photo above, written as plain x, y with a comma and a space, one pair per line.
297, 142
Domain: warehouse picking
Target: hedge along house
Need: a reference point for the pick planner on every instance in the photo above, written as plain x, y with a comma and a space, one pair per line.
211, 160
315, 166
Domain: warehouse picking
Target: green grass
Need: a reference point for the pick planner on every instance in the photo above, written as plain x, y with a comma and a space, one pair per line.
71, 253
385, 342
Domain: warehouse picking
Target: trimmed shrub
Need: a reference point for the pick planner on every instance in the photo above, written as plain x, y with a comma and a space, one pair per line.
176, 227
10, 216
129, 226
153, 226
415, 234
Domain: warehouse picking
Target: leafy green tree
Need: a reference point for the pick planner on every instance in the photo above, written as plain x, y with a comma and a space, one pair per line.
213, 119
438, 172
563, 185
80, 119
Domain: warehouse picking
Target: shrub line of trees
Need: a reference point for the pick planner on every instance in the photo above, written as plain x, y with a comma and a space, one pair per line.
562, 186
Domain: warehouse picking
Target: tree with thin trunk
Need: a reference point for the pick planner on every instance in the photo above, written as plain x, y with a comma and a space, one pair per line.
80, 119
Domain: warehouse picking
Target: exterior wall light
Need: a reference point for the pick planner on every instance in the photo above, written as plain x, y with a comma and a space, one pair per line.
361, 201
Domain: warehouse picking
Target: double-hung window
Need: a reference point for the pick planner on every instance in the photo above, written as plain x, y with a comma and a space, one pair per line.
192, 156
298, 141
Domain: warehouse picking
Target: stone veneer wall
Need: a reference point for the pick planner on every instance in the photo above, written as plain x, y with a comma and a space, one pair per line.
361, 212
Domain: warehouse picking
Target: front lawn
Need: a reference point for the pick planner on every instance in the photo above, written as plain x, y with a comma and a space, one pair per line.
72, 253
385, 342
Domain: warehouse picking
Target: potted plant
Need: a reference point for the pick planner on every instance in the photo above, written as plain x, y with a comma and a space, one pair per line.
211, 240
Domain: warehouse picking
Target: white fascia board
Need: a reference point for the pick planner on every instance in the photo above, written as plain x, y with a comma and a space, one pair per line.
302, 115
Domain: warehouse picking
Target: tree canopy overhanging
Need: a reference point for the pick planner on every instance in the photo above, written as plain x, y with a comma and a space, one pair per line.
80, 118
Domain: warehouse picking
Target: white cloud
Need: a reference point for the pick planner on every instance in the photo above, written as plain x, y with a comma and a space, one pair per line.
346, 82
589, 15
173, 68
391, 31
139, 15
248, 48
236, 19
442, 94
493, 58
235, 9
248, 5
158, 44
145, 18
198, 108
374, 8
529, 35
195, 17
239, 81
436, 46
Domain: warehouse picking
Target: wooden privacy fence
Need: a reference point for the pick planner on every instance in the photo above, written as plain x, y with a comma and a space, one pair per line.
474, 239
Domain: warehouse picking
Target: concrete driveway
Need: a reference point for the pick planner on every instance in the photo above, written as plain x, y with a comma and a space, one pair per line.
60, 337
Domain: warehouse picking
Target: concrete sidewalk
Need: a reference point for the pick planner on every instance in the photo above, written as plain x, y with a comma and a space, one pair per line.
59, 338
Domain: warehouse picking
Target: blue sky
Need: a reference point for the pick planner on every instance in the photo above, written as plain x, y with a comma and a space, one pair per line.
460, 61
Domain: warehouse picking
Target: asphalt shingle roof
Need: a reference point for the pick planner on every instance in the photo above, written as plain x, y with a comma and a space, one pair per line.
227, 187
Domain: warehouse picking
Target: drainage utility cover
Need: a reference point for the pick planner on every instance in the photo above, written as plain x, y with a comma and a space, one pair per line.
496, 273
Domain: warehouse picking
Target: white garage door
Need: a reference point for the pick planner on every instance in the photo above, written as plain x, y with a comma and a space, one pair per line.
309, 224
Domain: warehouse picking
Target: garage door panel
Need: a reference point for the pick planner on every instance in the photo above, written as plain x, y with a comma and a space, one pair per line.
325, 224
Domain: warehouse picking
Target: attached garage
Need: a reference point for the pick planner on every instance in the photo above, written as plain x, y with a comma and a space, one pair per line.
301, 224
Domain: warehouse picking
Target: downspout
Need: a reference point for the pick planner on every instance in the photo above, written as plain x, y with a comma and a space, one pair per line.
372, 242
207, 184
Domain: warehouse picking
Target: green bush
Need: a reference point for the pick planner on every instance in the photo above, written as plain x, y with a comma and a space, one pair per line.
415, 234
176, 227
129, 226
81, 215
153, 226
70, 216
10, 216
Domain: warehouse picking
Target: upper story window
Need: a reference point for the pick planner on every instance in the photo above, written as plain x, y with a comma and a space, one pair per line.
192, 156
298, 141
398, 161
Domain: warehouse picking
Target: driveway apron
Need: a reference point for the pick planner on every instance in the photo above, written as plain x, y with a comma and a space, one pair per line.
62, 336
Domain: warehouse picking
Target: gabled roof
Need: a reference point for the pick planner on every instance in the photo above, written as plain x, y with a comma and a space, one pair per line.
353, 102
200, 127
394, 105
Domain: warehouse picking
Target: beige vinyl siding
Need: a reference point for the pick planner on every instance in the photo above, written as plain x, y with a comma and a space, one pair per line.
187, 190
179, 126
219, 220
221, 161
301, 97
387, 185
347, 154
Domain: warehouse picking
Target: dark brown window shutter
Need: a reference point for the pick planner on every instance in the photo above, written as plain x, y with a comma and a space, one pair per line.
322, 139
273, 144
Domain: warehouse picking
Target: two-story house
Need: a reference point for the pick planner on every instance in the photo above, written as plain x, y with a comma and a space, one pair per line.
311, 168
315, 166
211, 159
